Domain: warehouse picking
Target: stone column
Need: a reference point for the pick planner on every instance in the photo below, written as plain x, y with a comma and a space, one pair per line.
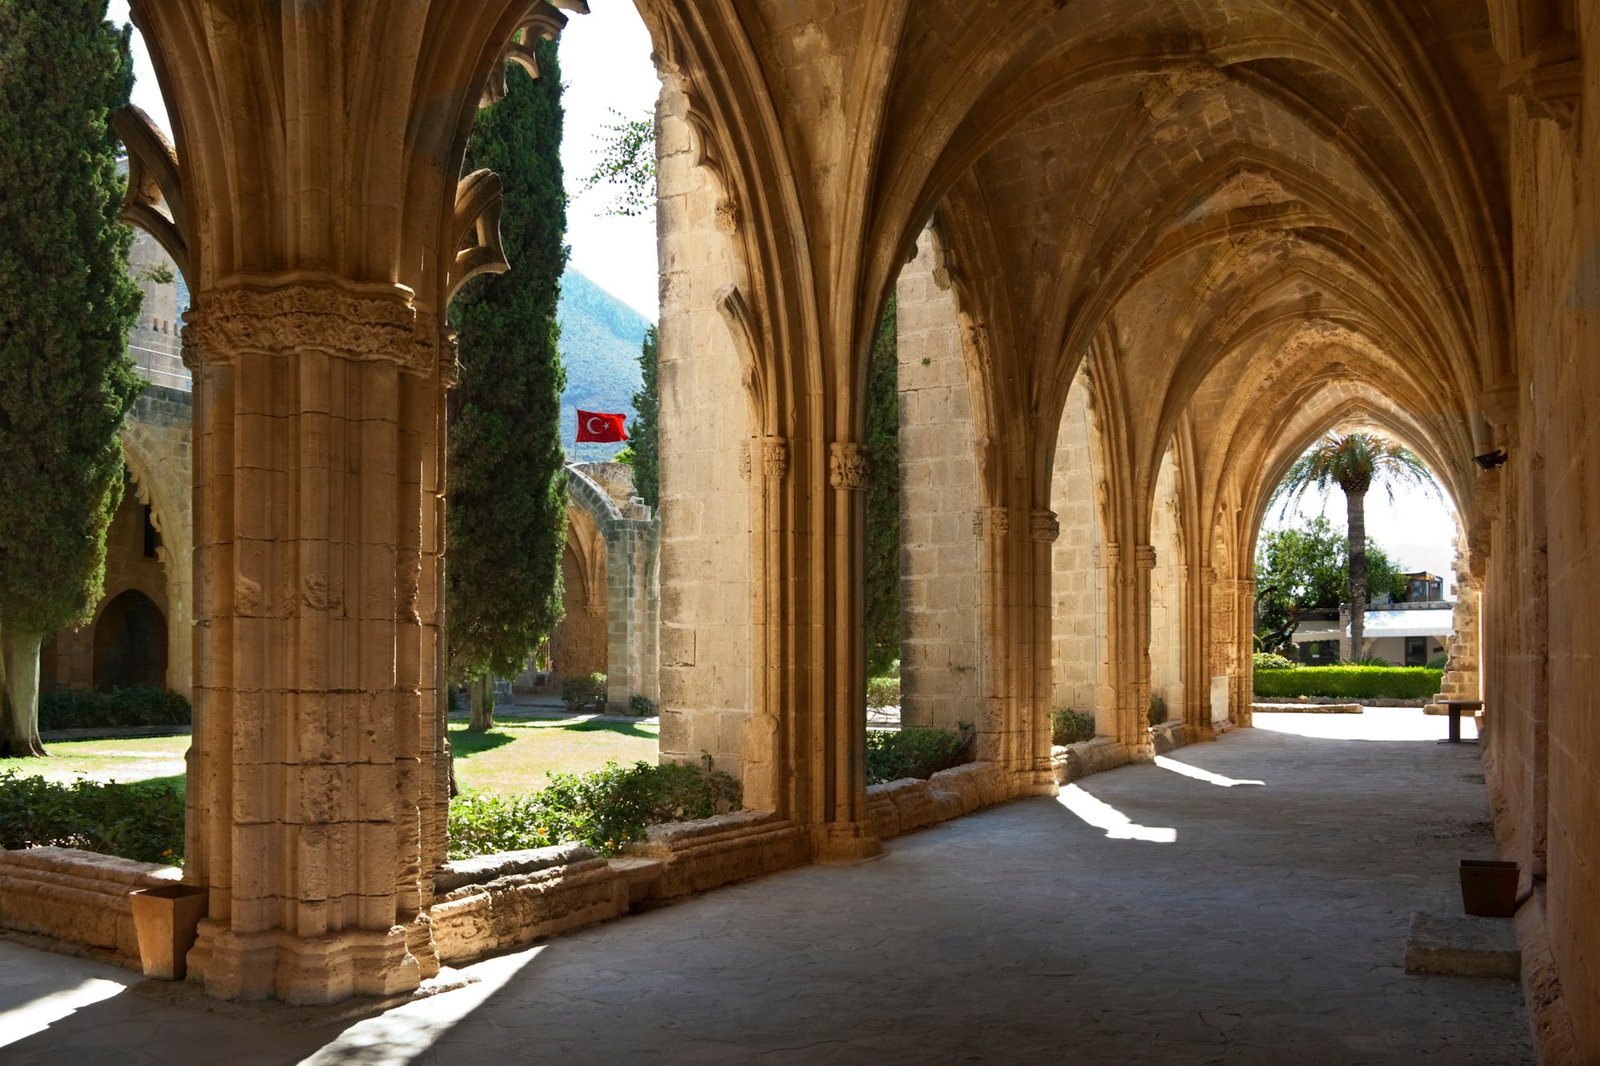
318, 431
1125, 691
632, 548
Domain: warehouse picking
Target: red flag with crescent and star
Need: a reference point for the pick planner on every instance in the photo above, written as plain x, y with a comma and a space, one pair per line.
601, 426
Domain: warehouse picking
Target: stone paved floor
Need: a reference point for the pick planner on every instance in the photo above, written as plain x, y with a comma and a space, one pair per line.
1203, 919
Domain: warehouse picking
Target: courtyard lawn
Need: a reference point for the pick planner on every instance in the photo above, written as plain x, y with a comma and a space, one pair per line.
517, 754
514, 756
124, 759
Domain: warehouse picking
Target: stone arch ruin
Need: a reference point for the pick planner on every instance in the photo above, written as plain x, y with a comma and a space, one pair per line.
1233, 219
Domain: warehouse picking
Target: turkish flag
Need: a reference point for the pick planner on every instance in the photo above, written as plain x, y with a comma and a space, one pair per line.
600, 426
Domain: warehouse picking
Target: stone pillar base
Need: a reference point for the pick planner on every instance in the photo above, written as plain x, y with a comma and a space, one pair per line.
841, 843
1037, 782
304, 970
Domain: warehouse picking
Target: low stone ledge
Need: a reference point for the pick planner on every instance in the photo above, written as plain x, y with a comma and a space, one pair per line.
482, 869
1073, 762
710, 852
518, 908
897, 807
1307, 708
1462, 945
77, 896
1168, 736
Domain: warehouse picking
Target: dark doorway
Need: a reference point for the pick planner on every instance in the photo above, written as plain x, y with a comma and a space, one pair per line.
130, 644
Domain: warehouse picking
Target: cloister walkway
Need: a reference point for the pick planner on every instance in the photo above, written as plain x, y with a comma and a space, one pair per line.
1246, 901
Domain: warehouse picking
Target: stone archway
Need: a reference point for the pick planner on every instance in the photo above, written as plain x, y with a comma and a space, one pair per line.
130, 643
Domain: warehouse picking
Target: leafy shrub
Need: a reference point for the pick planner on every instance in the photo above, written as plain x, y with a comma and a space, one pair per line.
1370, 660
1158, 710
915, 751
85, 709
142, 821
1269, 661
1440, 663
883, 692
584, 692
1069, 726
603, 809
641, 706
1358, 682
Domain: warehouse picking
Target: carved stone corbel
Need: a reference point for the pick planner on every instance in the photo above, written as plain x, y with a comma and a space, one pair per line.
847, 466
775, 457
1045, 526
1549, 79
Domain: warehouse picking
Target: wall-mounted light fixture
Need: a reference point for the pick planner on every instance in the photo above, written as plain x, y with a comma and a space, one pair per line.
1490, 460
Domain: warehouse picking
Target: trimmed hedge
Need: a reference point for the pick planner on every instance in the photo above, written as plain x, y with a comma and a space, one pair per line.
603, 808
142, 820
914, 751
83, 709
1386, 682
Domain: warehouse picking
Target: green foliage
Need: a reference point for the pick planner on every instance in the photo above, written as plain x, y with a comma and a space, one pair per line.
1439, 662
583, 692
627, 164
1268, 661
65, 377
507, 525
85, 709
142, 821
1356, 682
642, 706
604, 809
1070, 727
883, 691
645, 431
1158, 710
882, 593
1306, 568
1370, 660
914, 751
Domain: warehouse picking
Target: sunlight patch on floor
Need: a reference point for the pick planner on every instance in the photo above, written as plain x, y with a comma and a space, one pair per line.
1202, 775
37, 1015
1102, 815
400, 1035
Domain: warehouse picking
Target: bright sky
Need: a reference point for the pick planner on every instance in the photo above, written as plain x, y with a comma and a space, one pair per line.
605, 63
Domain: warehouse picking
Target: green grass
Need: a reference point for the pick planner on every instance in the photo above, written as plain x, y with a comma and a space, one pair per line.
126, 759
514, 756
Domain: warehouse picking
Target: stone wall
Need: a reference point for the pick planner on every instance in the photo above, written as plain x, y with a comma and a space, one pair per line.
1540, 628
940, 647
1078, 584
705, 455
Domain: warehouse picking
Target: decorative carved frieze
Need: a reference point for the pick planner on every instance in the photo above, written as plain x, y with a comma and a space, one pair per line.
847, 466
1045, 527
309, 316
744, 461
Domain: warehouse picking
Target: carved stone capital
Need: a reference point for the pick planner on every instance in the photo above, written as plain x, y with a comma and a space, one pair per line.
355, 322
847, 466
1145, 556
1549, 79
1045, 526
744, 461
994, 520
775, 457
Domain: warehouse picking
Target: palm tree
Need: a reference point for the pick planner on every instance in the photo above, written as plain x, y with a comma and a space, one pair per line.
1353, 462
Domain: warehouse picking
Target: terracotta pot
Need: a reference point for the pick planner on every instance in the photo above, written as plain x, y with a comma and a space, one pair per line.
1489, 887
165, 920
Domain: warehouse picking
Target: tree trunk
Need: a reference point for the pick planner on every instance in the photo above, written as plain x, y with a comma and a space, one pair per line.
1356, 514
19, 719
480, 692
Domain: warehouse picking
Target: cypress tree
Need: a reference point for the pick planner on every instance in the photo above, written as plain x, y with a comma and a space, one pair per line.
65, 378
883, 497
644, 436
507, 514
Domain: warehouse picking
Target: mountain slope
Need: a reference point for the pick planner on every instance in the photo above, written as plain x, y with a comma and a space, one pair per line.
600, 339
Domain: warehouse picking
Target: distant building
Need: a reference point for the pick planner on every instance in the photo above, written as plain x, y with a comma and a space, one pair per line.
1423, 587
